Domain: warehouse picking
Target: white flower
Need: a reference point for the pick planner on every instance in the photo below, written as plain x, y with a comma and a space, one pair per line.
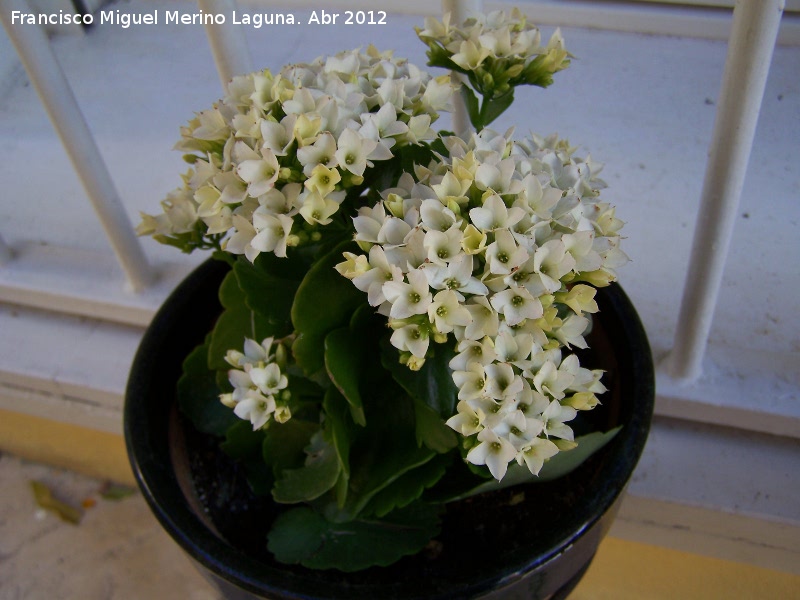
504, 255
317, 209
497, 177
446, 312
452, 189
493, 451
473, 351
411, 338
408, 299
455, 275
393, 232
436, 216
535, 453
268, 379
321, 152
552, 262
501, 381
239, 242
552, 381
580, 245
470, 56
514, 349
253, 353
485, 321
467, 421
353, 150
570, 333
516, 305
443, 246
554, 417
259, 171
255, 408
495, 215
471, 382
369, 222
273, 233
278, 136
382, 126
380, 271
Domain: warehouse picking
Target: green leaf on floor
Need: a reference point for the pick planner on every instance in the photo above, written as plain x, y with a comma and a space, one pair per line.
115, 492
45, 499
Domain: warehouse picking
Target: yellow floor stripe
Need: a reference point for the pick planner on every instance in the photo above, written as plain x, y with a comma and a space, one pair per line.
80, 449
624, 570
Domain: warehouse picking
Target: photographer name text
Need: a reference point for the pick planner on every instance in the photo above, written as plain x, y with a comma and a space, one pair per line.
176, 17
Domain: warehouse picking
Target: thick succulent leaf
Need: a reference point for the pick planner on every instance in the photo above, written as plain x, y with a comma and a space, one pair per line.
409, 487
324, 301
269, 285
384, 451
434, 393
284, 444
319, 474
432, 384
432, 430
236, 322
241, 441
198, 395
303, 536
344, 362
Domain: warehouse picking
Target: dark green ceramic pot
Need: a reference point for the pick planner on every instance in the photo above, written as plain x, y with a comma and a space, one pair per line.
528, 542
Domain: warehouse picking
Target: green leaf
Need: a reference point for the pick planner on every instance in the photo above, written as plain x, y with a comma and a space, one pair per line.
339, 427
473, 106
198, 395
432, 385
496, 107
324, 301
558, 466
566, 462
319, 474
45, 499
241, 441
409, 487
384, 451
432, 430
269, 287
236, 322
303, 536
284, 443
344, 362
115, 492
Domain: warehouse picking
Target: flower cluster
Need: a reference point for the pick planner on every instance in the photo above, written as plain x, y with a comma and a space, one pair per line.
486, 243
489, 244
259, 386
496, 52
279, 154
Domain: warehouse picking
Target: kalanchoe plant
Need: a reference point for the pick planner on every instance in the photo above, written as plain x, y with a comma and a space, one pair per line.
402, 305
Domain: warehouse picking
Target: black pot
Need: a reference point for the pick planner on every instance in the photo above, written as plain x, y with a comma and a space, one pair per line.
540, 541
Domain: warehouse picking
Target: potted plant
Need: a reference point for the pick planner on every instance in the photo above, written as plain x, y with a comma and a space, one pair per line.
405, 371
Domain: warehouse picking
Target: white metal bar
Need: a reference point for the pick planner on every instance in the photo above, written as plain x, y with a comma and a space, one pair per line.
460, 10
56, 95
228, 44
752, 40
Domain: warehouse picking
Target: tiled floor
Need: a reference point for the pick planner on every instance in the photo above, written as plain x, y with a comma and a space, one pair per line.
117, 552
